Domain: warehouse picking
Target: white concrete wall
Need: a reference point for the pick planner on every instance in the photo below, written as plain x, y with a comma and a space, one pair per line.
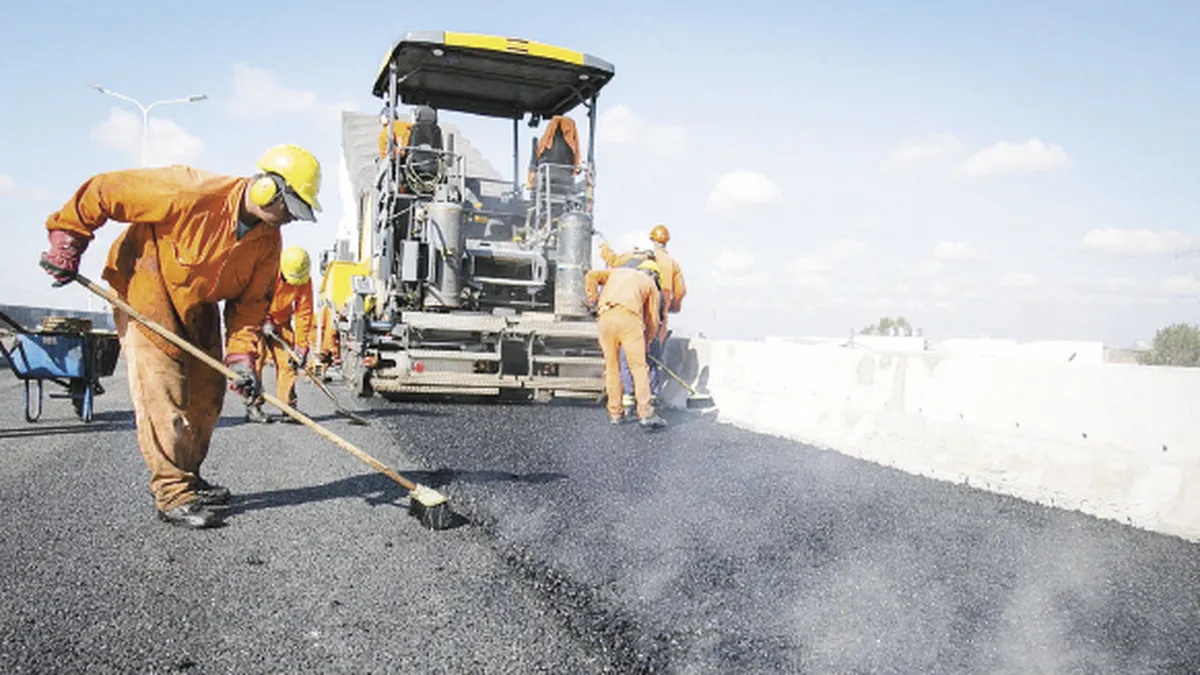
1116, 441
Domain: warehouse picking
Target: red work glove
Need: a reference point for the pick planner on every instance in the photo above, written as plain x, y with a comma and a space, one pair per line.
62, 260
243, 365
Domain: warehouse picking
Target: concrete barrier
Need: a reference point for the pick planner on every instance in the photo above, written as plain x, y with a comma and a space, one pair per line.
1116, 441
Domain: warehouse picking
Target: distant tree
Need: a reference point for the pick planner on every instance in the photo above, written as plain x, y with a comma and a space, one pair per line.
1175, 345
890, 327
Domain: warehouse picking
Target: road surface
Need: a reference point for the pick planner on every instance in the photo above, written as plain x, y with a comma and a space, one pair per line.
581, 548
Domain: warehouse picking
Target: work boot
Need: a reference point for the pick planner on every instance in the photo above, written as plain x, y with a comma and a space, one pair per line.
211, 493
255, 414
652, 422
193, 515
288, 418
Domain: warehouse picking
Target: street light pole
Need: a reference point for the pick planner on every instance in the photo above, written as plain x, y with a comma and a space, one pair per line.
146, 110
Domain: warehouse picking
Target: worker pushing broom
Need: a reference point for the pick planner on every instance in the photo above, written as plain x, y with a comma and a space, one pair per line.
288, 329
673, 289
196, 239
628, 317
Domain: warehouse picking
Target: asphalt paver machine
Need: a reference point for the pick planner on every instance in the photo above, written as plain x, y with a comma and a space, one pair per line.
457, 280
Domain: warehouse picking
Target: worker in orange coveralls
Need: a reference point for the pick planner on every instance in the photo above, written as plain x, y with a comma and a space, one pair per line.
330, 352
400, 131
549, 150
673, 288
194, 239
290, 319
628, 313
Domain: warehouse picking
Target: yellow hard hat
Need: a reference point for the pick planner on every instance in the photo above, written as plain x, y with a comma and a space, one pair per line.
660, 234
649, 264
301, 172
294, 265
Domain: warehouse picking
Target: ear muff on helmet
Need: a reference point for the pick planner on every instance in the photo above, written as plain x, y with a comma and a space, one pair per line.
266, 189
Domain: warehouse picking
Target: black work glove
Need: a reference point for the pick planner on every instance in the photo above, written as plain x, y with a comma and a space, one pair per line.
299, 365
248, 384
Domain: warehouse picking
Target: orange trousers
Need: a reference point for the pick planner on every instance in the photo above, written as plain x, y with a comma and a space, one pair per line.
270, 351
176, 405
329, 336
619, 328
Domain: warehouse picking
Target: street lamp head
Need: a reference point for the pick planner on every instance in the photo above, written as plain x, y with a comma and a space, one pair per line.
100, 89
197, 97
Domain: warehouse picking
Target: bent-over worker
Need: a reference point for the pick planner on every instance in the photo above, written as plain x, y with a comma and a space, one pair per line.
194, 239
673, 289
290, 318
627, 309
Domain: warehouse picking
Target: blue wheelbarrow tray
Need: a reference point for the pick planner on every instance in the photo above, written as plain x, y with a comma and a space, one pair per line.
73, 360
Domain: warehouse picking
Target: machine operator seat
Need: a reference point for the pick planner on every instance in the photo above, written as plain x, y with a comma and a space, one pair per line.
558, 147
424, 140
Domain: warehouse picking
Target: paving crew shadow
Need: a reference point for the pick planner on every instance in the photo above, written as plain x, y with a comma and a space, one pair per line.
378, 490
109, 420
276, 418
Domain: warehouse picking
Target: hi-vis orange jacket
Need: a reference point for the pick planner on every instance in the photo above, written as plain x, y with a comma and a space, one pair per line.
295, 302
181, 239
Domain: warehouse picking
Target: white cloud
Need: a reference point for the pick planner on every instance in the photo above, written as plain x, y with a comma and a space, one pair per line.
167, 142
1182, 284
1017, 280
1138, 241
1029, 157
838, 262
734, 261
930, 268
810, 265
9, 187
258, 94
954, 250
934, 147
619, 125
843, 250
752, 280
812, 281
742, 187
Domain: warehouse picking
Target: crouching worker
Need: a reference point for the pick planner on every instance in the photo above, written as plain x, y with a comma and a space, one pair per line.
290, 320
194, 239
627, 309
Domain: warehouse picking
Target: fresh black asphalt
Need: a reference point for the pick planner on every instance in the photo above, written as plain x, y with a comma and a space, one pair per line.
580, 548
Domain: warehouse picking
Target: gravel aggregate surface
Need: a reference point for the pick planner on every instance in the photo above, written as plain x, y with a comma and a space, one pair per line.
579, 547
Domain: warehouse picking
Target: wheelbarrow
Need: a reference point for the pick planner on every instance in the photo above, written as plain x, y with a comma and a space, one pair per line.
70, 358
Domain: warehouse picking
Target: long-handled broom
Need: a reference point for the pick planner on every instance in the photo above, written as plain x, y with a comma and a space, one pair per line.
695, 399
426, 504
354, 418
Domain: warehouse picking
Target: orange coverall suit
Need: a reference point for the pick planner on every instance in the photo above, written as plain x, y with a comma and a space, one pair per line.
330, 350
673, 286
673, 290
627, 308
175, 261
400, 132
291, 302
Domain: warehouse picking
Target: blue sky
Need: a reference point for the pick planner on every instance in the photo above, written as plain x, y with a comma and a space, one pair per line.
1010, 170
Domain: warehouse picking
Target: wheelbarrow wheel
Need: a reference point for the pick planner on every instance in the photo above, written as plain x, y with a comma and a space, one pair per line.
33, 400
